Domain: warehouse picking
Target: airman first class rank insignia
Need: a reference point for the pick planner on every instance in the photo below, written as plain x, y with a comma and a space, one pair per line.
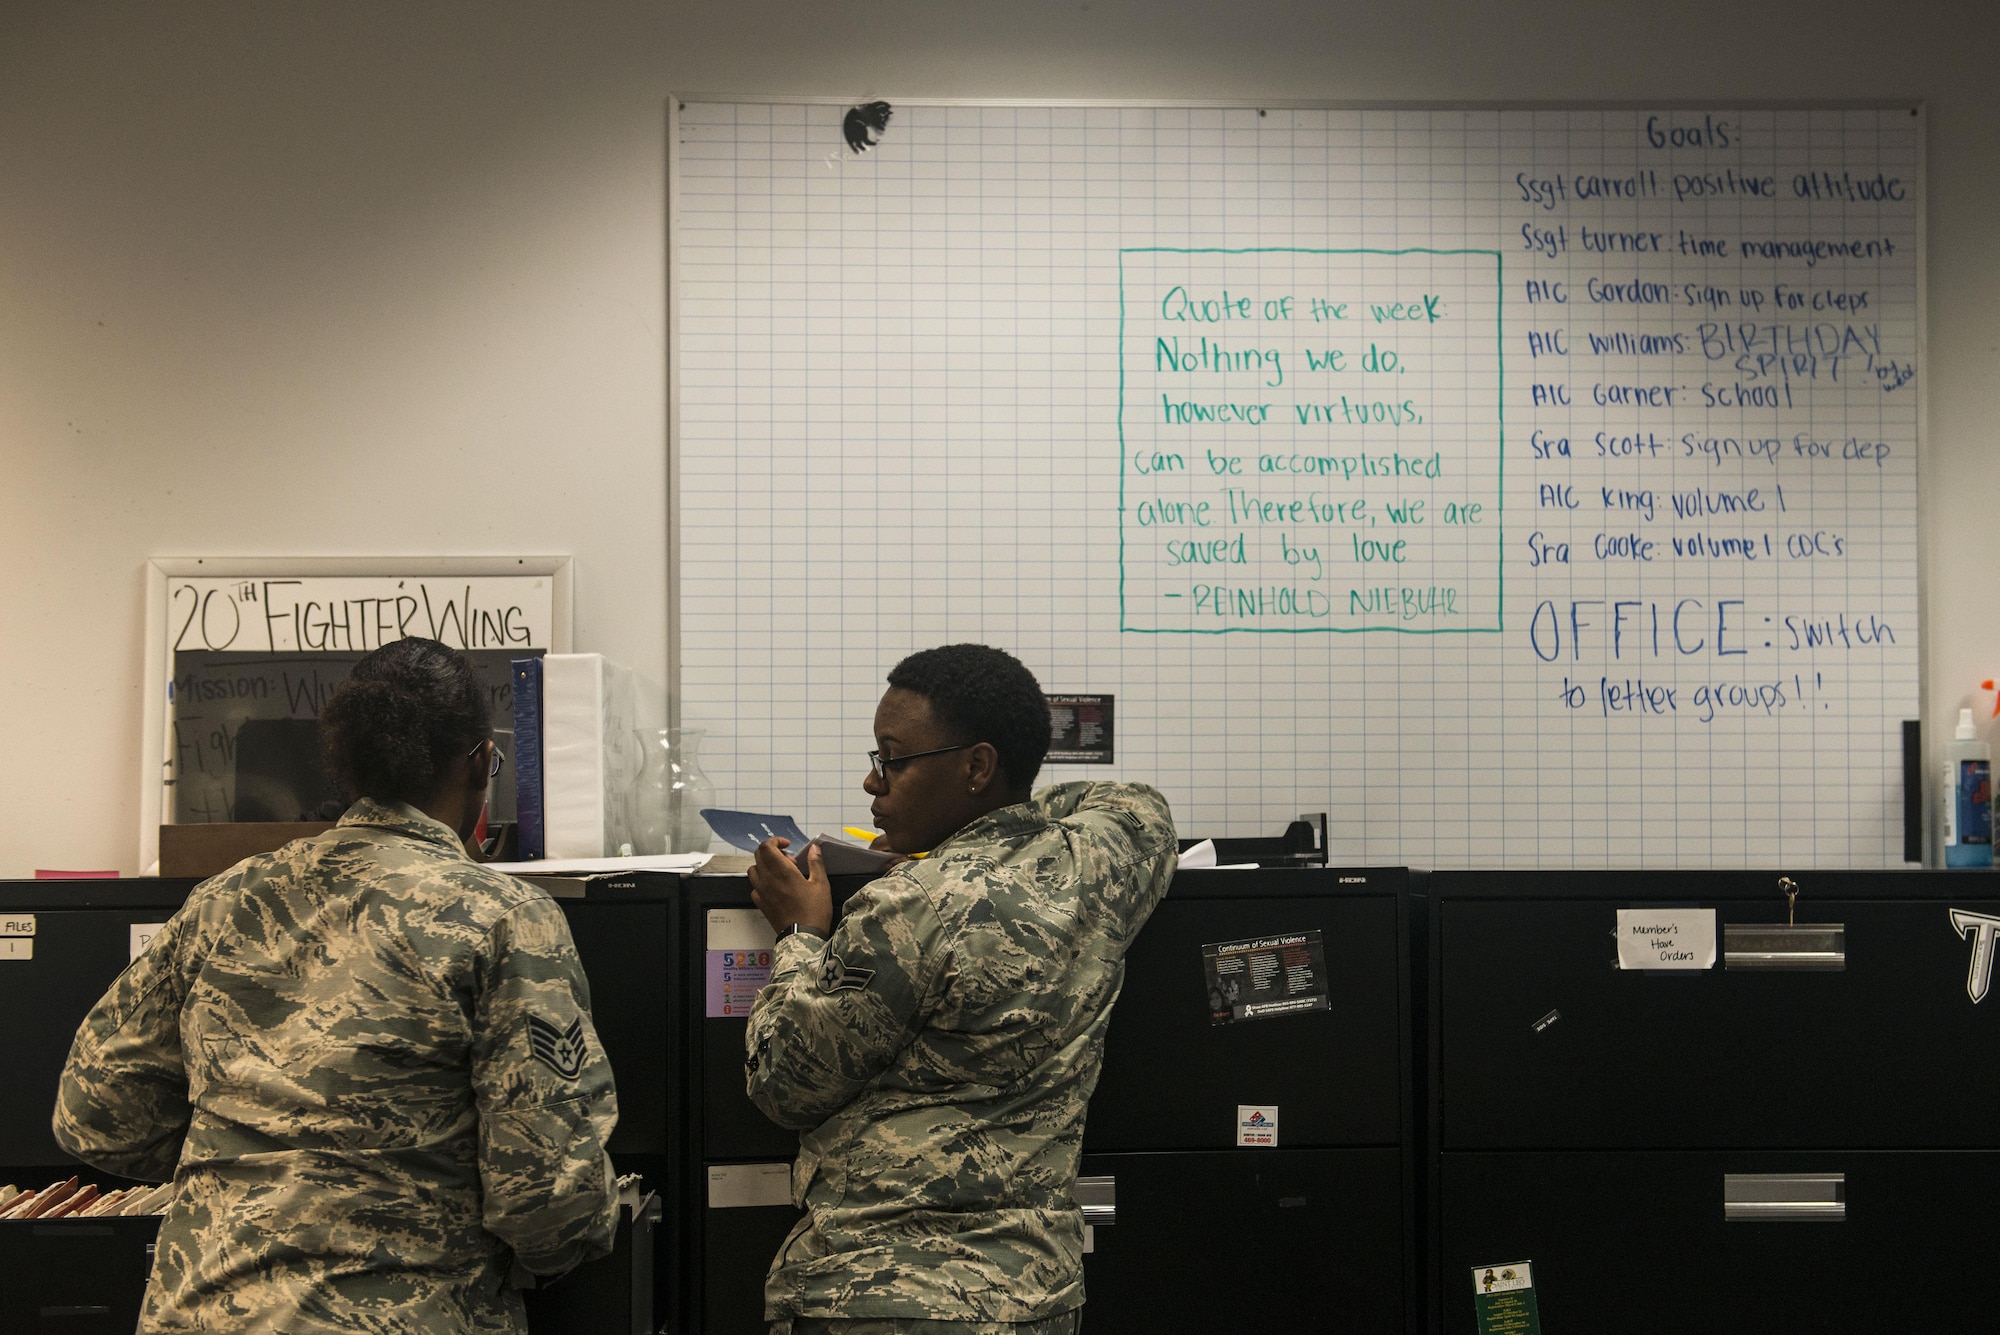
561, 1050
839, 978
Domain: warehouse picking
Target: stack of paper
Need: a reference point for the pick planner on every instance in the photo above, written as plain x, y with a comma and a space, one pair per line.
1203, 855
684, 863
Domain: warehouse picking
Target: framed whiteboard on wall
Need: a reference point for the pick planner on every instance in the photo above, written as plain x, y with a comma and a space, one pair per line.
1522, 485
310, 605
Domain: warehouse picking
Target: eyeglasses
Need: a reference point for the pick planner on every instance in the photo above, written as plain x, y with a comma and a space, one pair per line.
880, 763
499, 759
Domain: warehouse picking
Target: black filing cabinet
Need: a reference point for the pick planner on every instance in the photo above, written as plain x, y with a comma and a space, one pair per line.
626, 934
739, 1206
86, 1276
82, 1275
1803, 1136
83, 932
1189, 1231
614, 1295
1315, 1233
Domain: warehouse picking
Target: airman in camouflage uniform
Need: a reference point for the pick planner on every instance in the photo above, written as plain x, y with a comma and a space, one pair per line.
938, 1051
368, 1064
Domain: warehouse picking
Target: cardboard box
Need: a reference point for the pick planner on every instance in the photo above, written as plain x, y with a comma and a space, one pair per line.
204, 850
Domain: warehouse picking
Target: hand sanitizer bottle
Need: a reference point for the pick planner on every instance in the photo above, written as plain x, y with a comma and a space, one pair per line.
1967, 798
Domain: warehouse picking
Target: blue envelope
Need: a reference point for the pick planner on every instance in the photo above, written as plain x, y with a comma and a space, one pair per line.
747, 829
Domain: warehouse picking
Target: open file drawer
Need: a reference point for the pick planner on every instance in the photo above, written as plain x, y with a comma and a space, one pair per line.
84, 932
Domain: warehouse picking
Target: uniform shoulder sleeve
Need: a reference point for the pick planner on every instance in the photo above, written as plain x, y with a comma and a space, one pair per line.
1132, 818
835, 1014
122, 1103
1126, 848
544, 1093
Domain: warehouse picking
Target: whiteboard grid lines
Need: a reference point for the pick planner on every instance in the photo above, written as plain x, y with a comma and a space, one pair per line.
904, 374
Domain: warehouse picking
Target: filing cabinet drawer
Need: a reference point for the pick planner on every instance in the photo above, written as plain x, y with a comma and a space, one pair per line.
1645, 1242
746, 1212
1543, 1043
1279, 1240
1173, 1080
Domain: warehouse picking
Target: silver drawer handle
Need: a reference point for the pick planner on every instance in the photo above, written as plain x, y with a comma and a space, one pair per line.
1779, 1197
1776, 945
1097, 1197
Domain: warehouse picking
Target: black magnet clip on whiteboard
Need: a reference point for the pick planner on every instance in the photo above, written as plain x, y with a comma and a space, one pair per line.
859, 121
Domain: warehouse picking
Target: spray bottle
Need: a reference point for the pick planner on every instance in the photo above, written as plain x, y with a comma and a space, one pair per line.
1967, 798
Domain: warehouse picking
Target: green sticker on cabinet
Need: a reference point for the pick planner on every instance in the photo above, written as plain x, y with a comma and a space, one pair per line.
1503, 1296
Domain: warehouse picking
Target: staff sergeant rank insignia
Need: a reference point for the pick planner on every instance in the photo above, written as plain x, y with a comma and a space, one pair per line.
561, 1050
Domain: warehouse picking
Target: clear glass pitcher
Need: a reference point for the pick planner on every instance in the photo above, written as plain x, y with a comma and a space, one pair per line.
669, 793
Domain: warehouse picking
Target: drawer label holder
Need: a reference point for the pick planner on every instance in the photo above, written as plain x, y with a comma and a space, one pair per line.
1666, 938
17, 936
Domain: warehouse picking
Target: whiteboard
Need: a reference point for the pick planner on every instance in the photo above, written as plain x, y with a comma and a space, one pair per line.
1522, 487
340, 605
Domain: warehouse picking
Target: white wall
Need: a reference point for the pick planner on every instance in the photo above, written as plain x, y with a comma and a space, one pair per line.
339, 277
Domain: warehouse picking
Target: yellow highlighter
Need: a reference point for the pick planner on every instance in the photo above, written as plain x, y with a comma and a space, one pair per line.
869, 836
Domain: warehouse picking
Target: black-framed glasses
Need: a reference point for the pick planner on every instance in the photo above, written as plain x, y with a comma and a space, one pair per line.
499, 759
879, 763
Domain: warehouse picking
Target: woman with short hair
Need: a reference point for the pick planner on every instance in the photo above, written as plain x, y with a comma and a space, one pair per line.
366, 1061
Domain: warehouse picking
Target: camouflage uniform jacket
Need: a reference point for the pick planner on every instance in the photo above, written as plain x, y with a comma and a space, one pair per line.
369, 1065
938, 1053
